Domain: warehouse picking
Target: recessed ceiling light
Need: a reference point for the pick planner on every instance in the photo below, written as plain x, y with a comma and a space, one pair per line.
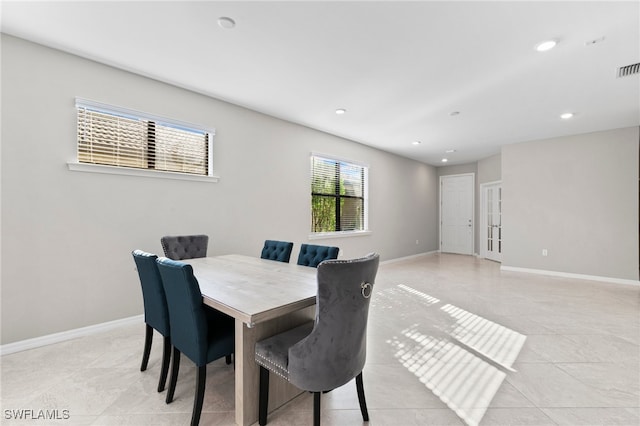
226, 22
416, 143
594, 41
546, 45
444, 160
449, 151
340, 111
566, 115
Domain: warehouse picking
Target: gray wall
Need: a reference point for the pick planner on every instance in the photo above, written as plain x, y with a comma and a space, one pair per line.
67, 236
458, 169
576, 196
490, 169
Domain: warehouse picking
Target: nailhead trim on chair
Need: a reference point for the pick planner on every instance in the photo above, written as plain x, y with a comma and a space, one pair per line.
350, 260
272, 366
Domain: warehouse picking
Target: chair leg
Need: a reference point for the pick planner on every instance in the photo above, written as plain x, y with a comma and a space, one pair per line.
166, 357
264, 396
201, 377
175, 366
363, 402
148, 339
316, 408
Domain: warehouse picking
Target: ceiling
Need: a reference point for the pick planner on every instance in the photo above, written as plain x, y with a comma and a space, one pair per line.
402, 70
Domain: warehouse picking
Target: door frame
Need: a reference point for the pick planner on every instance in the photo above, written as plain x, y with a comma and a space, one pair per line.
483, 217
473, 210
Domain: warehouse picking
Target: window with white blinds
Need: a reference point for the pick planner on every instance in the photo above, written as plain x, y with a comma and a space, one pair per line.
118, 137
338, 195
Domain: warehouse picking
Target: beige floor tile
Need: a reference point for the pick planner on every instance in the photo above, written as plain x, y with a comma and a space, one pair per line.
512, 417
593, 416
547, 385
164, 419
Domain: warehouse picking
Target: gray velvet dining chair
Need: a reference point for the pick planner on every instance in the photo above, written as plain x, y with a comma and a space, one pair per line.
312, 255
277, 250
182, 247
327, 353
203, 335
156, 314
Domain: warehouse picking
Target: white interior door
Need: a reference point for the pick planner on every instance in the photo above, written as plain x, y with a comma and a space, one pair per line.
456, 213
491, 214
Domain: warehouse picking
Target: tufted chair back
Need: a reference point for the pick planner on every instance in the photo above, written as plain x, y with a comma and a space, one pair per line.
185, 246
312, 255
277, 250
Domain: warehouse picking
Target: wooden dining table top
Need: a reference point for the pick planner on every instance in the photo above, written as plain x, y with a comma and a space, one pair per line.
252, 289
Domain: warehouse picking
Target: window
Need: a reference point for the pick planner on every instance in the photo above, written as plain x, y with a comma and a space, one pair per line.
117, 137
338, 196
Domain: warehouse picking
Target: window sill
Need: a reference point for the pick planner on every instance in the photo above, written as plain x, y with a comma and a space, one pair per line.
341, 234
125, 171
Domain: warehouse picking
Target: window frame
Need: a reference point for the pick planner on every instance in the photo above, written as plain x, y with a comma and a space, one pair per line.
76, 165
365, 198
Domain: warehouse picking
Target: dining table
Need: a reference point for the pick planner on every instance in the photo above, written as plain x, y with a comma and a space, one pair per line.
264, 297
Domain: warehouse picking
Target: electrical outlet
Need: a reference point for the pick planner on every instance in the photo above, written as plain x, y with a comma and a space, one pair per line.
417, 242
545, 252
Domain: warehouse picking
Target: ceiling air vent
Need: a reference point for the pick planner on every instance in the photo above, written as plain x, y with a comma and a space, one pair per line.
629, 70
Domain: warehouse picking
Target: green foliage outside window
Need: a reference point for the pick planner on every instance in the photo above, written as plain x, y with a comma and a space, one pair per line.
337, 200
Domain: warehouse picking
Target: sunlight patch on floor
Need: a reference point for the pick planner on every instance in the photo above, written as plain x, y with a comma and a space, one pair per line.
460, 359
497, 342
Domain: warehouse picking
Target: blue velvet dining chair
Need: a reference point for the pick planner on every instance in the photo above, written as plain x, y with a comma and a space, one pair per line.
312, 255
156, 314
182, 247
277, 250
324, 354
201, 334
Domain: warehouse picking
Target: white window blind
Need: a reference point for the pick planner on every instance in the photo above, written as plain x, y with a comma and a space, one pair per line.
338, 195
118, 137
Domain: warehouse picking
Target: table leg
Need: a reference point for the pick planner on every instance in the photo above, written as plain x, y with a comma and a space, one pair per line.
247, 371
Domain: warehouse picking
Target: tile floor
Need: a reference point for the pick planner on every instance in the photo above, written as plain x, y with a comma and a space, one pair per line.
452, 341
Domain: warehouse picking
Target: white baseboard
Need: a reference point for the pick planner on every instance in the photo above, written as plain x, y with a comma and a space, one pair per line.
571, 275
413, 256
49, 339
